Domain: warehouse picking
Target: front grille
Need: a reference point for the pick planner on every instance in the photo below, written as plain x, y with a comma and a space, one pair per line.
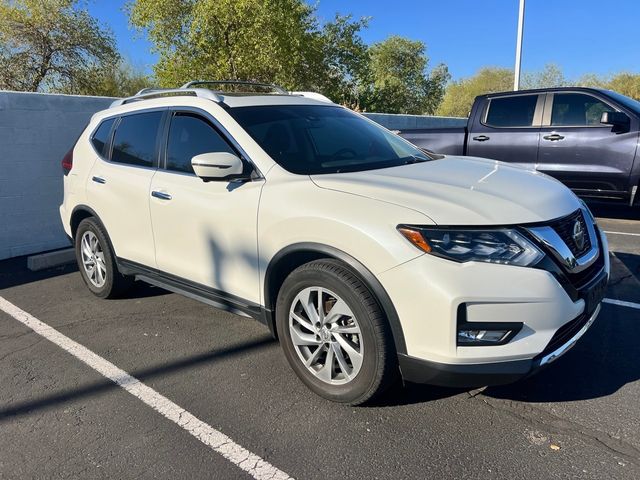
564, 228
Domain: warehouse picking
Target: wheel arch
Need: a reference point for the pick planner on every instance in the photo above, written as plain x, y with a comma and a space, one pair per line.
81, 212
293, 256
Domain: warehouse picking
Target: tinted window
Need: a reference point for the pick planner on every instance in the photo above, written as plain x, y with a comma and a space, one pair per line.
134, 142
101, 135
310, 139
190, 135
512, 111
577, 109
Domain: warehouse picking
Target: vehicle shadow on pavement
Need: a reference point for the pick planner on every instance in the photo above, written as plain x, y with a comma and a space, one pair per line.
412, 393
604, 361
14, 272
54, 400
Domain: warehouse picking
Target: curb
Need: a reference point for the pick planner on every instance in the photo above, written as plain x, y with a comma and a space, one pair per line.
51, 259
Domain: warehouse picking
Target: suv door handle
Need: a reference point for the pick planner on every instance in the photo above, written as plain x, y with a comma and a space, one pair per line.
161, 195
553, 137
99, 180
481, 138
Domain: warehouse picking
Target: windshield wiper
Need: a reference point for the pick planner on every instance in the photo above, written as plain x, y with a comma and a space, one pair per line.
413, 159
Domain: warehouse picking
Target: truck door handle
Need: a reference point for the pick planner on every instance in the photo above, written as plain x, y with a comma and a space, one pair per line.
553, 137
481, 138
99, 180
161, 195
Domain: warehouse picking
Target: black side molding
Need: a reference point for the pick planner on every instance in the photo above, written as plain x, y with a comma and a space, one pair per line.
211, 296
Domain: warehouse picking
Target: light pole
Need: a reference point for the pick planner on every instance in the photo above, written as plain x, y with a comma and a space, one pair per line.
516, 77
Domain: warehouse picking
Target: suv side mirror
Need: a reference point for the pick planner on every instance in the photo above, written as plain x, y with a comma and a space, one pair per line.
217, 166
616, 119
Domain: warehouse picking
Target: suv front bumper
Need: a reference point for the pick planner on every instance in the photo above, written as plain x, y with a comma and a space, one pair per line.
428, 291
494, 373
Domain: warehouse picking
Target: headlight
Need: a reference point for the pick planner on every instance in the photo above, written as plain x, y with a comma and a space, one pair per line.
505, 246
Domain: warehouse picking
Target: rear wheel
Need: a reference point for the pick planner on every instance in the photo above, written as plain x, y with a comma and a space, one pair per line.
96, 261
334, 334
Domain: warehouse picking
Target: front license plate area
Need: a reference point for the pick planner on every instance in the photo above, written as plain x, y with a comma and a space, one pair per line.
594, 294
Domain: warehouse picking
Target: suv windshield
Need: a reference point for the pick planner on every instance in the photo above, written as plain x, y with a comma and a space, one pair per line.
312, 139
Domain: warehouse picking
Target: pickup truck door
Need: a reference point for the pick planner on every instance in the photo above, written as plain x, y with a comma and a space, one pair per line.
205, 233
507, 129
587, 156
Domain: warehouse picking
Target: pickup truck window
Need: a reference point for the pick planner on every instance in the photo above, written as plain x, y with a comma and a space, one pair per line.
515, 111
577, 109
313, 139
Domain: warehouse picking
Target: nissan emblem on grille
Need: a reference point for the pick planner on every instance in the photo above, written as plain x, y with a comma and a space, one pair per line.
578, 235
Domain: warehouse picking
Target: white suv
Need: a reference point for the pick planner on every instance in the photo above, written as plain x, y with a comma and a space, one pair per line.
366, 256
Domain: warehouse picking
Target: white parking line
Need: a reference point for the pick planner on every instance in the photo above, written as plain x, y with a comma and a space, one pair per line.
217, 441
622, 303
622, 233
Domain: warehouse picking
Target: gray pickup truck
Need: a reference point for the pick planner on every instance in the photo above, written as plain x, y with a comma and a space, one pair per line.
585, 137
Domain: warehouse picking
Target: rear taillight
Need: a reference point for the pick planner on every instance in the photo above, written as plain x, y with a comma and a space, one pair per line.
67, 162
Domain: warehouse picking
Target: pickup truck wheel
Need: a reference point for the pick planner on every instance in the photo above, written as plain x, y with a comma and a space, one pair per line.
96, 261
334, 334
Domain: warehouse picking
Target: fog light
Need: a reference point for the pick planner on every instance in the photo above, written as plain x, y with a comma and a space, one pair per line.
476, 337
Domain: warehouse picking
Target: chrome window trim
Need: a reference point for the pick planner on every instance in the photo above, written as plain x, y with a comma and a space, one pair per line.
560, 250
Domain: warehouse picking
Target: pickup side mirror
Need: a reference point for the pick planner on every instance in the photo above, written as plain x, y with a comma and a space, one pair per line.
616, 119
217, 166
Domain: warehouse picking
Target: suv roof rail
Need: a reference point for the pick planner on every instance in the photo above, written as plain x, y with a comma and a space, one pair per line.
274, 88
151, 93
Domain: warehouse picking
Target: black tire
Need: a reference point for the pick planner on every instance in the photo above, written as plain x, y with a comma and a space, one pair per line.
115, 284
379, 368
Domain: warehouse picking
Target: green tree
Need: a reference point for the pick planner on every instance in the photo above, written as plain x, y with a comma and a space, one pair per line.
398, 81
625, 83
460, 95
282, 41
119, 80
51, 45
550, 76
265, 40
341, 60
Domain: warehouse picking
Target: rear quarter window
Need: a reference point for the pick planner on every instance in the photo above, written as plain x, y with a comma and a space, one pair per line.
100, 137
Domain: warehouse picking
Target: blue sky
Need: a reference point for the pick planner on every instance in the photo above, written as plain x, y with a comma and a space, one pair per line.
581, 36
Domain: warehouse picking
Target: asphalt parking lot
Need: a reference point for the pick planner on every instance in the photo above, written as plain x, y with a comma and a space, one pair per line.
60, 418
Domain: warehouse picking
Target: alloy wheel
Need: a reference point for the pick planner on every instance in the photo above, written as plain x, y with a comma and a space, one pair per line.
326, 335
93, 259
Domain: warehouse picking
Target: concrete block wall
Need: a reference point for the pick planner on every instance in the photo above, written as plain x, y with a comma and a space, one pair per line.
36, 130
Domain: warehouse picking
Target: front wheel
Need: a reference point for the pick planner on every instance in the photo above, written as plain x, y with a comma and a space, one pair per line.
334, 334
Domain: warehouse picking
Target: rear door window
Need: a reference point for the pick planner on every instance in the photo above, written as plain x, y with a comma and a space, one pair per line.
517, 111
134, 142
191, 135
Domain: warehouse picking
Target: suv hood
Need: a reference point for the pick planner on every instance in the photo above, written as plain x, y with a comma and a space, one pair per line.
462, 191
